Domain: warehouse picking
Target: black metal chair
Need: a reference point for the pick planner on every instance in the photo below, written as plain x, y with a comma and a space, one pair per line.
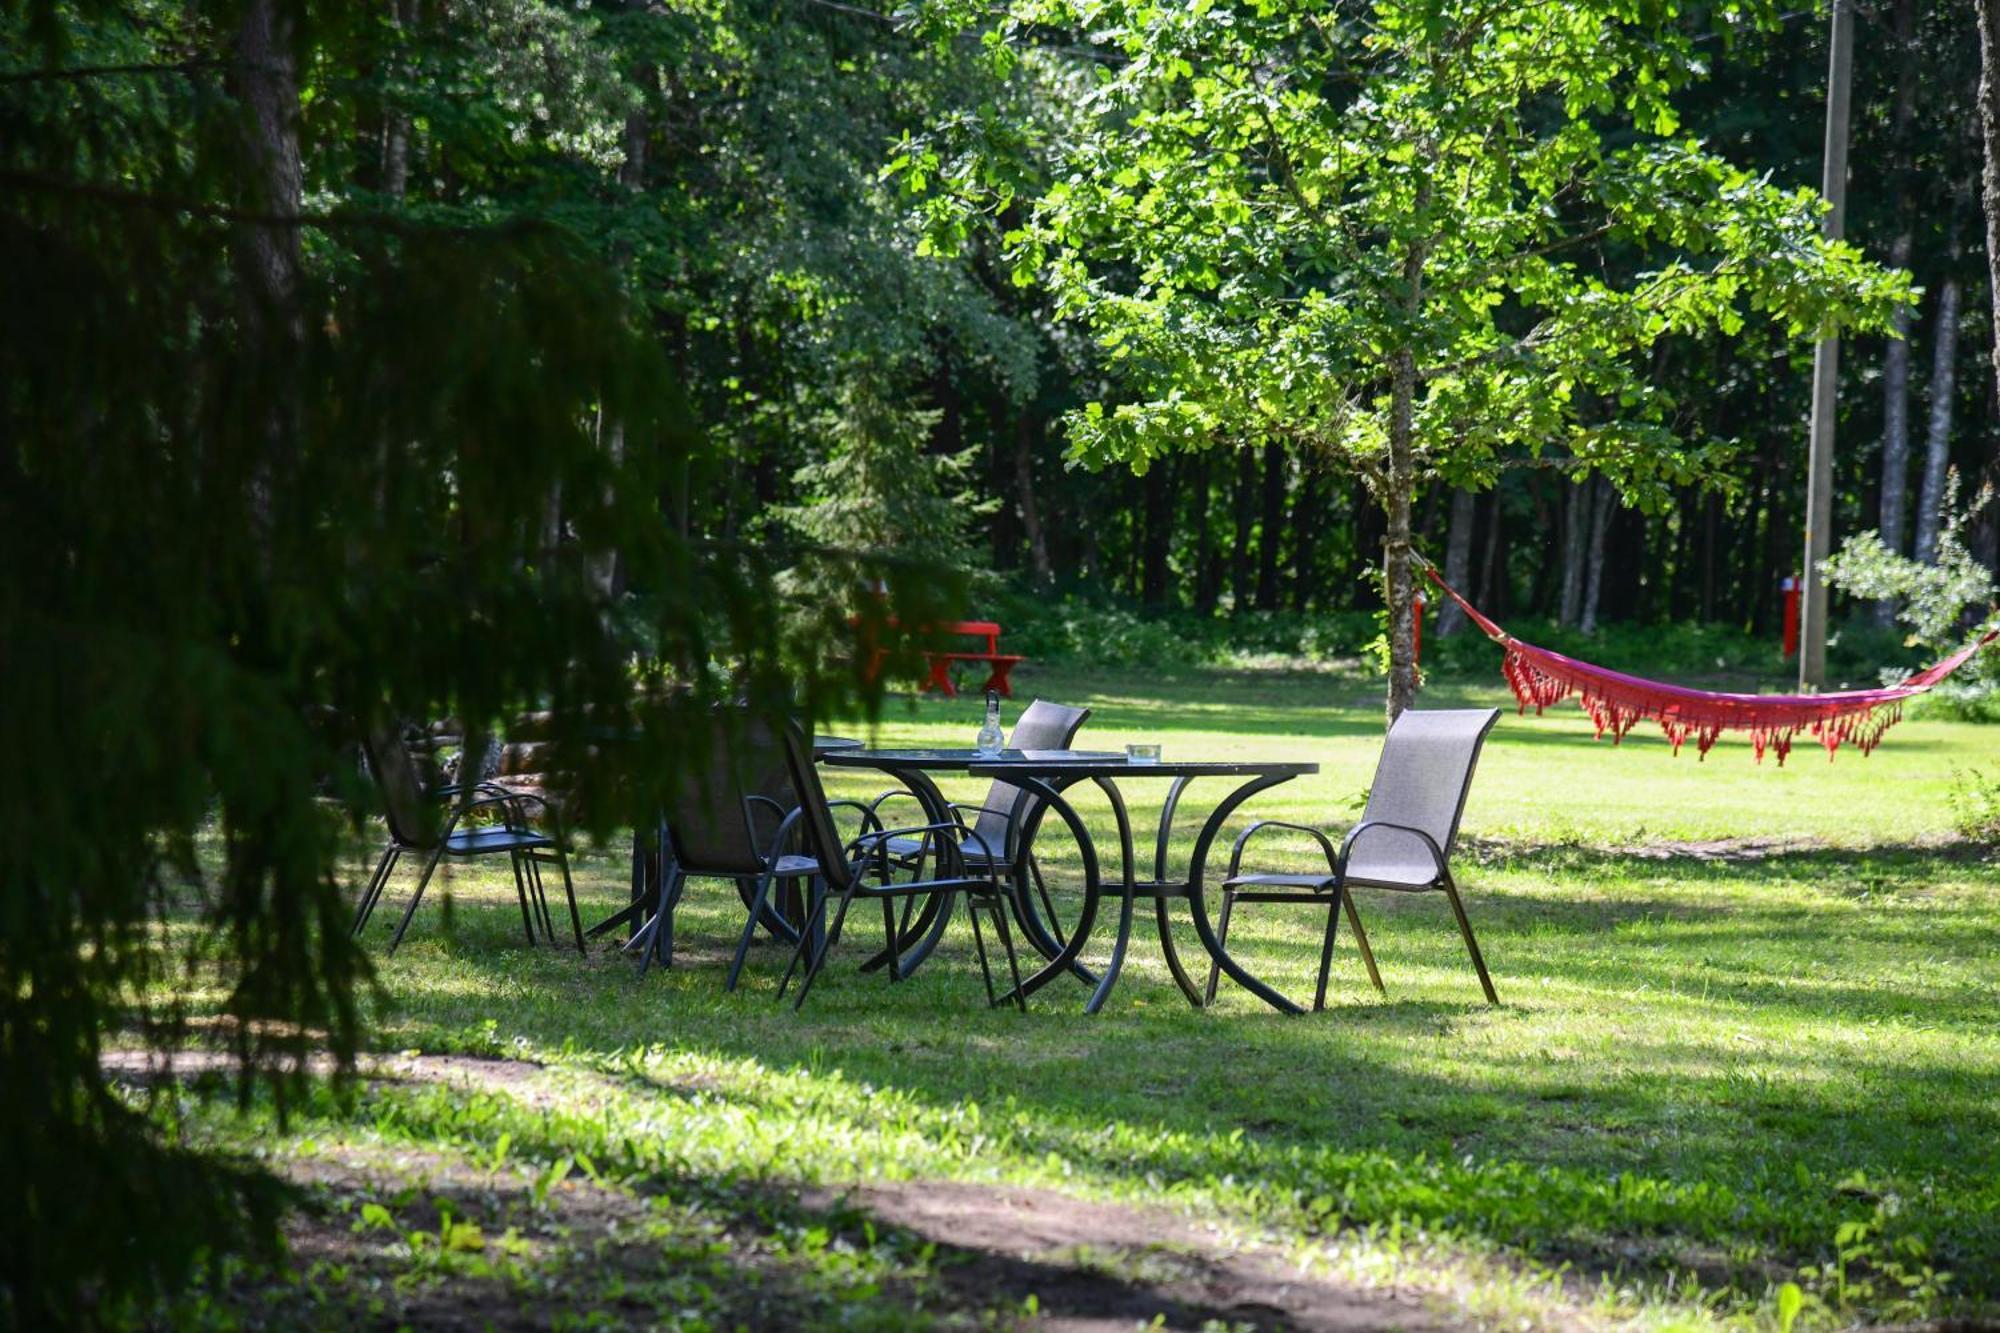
734, 817
1403, 842
410, 812
844, 867
1005, 807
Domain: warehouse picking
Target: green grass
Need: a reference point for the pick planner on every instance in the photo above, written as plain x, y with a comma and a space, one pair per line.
1710, 1076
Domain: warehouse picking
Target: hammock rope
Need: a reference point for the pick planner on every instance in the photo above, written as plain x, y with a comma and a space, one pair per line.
1617, 702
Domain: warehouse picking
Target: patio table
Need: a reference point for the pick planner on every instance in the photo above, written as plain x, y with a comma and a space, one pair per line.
1047, 774
916, 939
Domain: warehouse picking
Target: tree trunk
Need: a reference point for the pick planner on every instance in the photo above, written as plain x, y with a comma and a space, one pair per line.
267, 258
1402, 482
1207, 562
1306, 524
1457, 559
1491, 586
608, 569
1040, 571
1576, 538
1159, 494
396, 124
268, 84
1601, 496
1937, 441
1896, 417
1239, 550
1273, 517
1711, 519
1896, 358
1989, 126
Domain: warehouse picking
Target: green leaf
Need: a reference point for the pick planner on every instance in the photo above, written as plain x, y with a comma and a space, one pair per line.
1790, 1301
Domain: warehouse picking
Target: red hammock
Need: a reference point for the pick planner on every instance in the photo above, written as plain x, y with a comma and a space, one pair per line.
1616, 701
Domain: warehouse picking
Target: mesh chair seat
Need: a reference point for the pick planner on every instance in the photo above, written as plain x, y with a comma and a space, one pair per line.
1392, 874
1313, 883
1377, 862
481, 841
974, 846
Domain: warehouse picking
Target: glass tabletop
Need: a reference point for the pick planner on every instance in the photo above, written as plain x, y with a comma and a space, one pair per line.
963, 758
1063, 764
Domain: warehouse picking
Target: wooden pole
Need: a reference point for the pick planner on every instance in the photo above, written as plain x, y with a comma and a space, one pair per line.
1826, 362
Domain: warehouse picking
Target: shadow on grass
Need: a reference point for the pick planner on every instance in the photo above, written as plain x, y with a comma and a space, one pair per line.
427, 1235
1556, 1133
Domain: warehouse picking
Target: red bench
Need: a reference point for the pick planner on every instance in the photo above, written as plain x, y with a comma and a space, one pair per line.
999, 665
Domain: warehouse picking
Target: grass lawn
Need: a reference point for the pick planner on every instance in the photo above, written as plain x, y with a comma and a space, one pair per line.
1747, 1040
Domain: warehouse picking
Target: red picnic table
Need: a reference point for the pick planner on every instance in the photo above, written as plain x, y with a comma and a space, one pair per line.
999, 665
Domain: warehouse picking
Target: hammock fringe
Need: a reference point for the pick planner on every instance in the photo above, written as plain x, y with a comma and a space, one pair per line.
1616, 702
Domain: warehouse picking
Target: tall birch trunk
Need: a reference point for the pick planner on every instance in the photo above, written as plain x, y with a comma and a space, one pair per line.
396, 125
1239, 547
1457, 560
1305, 534
1576, 537
1989, 133
1601, 496
1273, 521
1489, 560
1207, 566
1158, 493
1937, 437
1896, 418
1040, 570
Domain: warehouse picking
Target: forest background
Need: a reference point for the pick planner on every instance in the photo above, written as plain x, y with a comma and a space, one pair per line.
854, 386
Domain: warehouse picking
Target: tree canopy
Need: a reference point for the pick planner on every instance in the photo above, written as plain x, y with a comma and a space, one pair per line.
1424, 239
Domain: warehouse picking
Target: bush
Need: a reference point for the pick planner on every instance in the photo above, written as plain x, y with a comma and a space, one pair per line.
1079, 628
1975, 806
1083, 629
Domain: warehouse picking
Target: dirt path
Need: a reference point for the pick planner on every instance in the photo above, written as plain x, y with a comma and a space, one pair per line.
1099, 1266
992, 1255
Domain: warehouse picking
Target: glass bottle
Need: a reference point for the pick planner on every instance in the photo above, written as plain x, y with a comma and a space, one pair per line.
989, 731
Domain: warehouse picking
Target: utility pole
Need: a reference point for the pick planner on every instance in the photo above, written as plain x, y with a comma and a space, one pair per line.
1826, 361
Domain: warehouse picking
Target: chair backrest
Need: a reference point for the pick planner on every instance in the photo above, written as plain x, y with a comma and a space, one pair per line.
1425, 772
709, 822
1041, 726
822, 835
411, 813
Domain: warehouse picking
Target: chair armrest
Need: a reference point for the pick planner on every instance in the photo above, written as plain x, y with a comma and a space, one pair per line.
484, 786
859, 849
1333, 861
883, 835
868, 816
875, 843
755, 803
785, 827
894, 793
1370, 825
512, 802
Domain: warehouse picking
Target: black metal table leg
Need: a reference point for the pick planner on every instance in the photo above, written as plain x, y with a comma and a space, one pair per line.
1128, 891
1161, 915
1197, 898
917, 939
1065, 958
